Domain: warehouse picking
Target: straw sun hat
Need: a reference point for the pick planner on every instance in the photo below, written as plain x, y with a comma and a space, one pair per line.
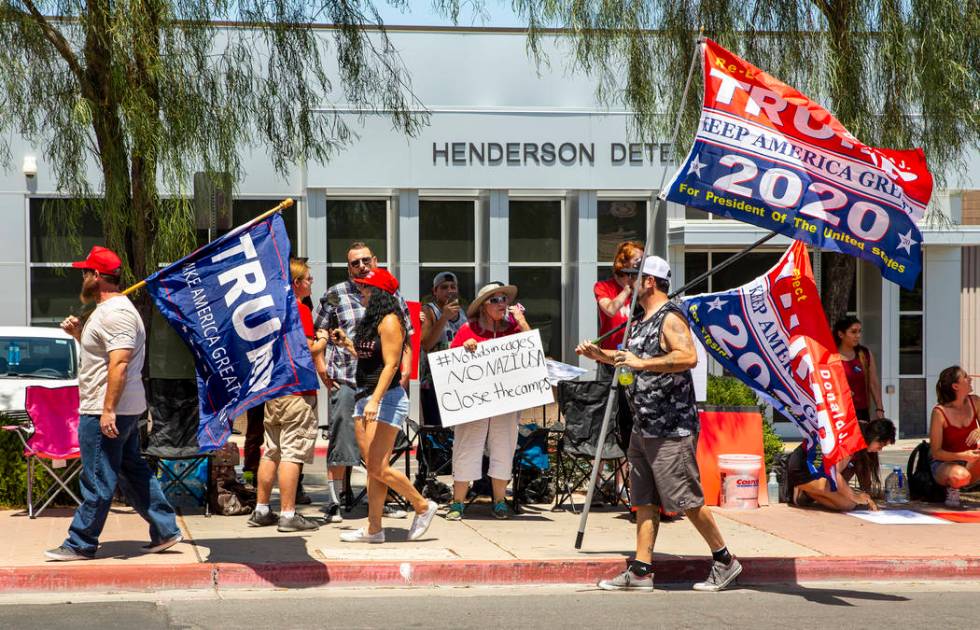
488, 291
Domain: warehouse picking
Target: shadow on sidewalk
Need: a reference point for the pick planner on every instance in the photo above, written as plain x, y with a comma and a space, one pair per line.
279, 560
826, 596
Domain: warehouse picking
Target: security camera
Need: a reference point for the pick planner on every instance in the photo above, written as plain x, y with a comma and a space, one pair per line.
30, 166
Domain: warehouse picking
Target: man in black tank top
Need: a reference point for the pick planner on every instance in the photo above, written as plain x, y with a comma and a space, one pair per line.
663, 469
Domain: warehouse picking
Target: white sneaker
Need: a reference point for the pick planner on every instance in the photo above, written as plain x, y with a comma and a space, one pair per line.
394, 512
953, 497
361, 536
422, 521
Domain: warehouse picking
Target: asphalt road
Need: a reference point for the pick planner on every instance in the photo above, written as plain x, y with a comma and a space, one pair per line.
947, 605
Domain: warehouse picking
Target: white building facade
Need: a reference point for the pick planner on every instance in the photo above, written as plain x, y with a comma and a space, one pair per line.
522, 177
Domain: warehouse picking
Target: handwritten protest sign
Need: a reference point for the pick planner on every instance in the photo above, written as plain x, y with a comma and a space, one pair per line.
503, 375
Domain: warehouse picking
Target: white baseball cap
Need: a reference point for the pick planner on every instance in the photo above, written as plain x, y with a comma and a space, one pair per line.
657, 267
443, 276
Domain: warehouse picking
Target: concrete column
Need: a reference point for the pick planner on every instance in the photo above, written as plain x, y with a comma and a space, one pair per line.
405, 259
498, 237
941, 303
586, 272
888, 353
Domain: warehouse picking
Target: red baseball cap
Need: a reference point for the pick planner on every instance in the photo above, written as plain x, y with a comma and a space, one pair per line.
100, 259
381, 279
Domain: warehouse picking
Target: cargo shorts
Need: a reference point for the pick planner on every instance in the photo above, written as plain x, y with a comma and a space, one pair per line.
290, 429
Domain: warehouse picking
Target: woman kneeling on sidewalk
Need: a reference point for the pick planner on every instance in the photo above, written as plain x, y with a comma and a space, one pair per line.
808, 487
381, 404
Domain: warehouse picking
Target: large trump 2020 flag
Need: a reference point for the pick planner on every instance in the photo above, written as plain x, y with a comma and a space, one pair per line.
766, 154
232, 302
771, 333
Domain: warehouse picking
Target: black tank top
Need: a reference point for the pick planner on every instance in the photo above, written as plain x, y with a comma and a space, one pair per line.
370, 363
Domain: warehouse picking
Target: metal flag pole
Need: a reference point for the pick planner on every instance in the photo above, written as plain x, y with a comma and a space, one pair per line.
286, 203
613, 391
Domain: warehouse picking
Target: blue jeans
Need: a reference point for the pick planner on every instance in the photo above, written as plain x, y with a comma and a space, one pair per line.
106, 463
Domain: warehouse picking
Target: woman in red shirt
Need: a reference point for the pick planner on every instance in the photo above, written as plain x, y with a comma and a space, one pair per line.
491, 315
612, 296
954, 433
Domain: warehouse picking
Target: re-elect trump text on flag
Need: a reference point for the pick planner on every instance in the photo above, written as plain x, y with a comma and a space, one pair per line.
767, 155
771, 333
233, 304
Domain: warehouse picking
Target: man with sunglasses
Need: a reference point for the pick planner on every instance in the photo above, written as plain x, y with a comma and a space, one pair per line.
340, 307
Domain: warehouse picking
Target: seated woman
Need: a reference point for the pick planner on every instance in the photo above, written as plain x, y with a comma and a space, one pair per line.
954, 433
808, 487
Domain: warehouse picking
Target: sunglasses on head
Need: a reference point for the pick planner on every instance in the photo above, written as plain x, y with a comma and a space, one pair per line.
498, 299
360, 262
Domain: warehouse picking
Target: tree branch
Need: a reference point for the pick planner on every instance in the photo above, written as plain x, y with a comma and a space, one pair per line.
58, 41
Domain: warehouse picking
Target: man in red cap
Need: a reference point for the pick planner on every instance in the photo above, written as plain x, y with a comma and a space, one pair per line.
111, 399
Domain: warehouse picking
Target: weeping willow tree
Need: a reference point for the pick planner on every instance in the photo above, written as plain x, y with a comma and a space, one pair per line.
896, 73
150, 91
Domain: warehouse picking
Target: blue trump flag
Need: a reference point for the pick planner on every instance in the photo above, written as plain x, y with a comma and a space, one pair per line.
232, 302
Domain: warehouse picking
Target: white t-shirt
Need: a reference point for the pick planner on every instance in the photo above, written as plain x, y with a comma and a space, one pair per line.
114, 325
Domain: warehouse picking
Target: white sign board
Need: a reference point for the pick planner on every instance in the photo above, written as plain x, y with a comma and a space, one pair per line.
503, 375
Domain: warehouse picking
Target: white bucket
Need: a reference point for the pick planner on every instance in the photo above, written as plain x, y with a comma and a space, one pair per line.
739, 481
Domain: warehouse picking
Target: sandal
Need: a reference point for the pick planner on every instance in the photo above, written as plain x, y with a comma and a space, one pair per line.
455, 512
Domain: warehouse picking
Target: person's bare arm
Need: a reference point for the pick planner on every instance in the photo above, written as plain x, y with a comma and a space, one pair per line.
406, 365
589, 350
678, 343
116, 382
611, 306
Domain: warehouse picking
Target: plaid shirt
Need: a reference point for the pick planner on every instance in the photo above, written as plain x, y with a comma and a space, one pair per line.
341, 365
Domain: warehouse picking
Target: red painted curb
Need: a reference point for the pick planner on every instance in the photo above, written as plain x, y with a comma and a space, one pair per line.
674, 569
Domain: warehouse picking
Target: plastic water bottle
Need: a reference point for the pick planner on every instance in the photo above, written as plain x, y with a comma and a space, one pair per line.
773, 488
624, 375
896, 489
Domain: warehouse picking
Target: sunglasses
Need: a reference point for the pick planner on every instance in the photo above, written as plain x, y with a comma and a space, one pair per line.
498, 299
360, 262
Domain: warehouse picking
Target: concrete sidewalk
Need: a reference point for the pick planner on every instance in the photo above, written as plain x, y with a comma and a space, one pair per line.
776, 544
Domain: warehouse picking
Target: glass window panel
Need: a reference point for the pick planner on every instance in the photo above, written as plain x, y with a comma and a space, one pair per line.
695, 264
912, 403
353, 220
336, 275
693, 214
243, 210
619, 220
47, 247
54, 294
910, 344
748, 268
911, 300
535, 231
539, 291
466, 277
446, 231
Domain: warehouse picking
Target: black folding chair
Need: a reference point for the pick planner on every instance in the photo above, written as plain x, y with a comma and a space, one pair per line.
173, 406
582, 405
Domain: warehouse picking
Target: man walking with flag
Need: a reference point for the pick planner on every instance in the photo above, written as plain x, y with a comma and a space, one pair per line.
663, 468
111, 399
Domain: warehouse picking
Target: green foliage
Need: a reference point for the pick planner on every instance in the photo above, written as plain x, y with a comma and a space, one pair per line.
13, 473
729, 391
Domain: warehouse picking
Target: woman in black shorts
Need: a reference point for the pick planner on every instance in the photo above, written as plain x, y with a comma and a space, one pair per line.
808, 487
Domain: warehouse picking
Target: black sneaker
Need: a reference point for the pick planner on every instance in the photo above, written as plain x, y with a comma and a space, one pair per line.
302, 498
263, 520
65, 553
296, 523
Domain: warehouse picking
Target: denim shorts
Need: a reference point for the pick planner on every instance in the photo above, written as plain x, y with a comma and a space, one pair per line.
393, 408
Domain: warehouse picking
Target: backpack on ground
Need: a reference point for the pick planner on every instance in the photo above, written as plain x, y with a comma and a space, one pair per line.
922, 485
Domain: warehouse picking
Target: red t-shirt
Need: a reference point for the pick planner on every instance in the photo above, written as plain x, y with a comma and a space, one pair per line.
609, 289
473, 330
857, 380
306, 318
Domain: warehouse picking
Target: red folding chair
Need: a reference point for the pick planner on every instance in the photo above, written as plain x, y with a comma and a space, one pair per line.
50, 437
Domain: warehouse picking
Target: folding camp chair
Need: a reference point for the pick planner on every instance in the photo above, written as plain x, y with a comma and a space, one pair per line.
50, 437
582, 405
173, 407
434, 458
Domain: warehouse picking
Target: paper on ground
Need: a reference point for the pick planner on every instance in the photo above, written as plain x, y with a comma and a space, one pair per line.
899, 517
